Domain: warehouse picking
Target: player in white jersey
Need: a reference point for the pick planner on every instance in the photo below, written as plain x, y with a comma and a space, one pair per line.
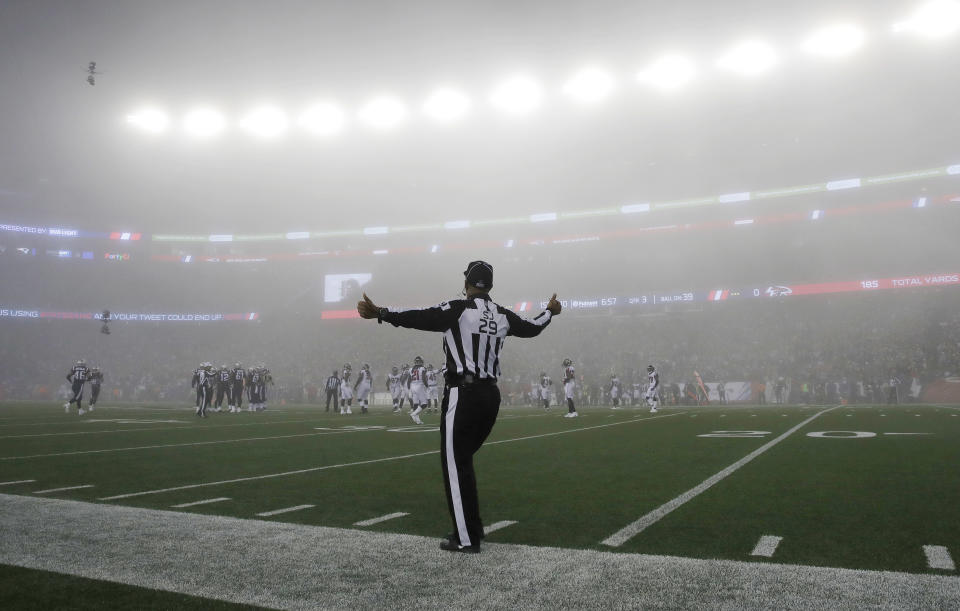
615, 391
433, 397
418, 388
545, 390
362, 388
569, 384
653, 388
394, 388
405, 386
346, 391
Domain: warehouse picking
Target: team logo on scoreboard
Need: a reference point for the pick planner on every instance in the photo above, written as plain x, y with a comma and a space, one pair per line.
778, 291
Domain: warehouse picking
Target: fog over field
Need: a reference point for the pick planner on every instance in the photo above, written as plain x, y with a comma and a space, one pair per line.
765, 194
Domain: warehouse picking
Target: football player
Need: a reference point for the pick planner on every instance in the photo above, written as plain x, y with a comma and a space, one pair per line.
204, 379
96, 380
405, 385
433, 397
237, 378
77, 378
393, 385
195, 383
545, 389
418, 388
614, 391
346, 391
224, 387
569, 384
362, 388
653, 388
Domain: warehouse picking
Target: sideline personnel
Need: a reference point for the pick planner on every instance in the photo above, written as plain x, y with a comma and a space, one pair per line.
474, 330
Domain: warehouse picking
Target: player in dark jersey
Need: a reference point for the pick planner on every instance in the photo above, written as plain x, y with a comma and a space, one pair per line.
224, 387
77, 378
237, 378
204, 378
96, 380
195, 382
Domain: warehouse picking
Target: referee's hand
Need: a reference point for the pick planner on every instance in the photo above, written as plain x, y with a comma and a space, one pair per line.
554, 306
366, 308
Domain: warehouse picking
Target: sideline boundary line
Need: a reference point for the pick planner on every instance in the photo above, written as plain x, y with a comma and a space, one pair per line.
366, 462
274, 564
646, 521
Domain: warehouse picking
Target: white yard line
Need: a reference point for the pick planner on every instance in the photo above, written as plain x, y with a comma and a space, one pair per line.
766, 546
277, 512
212, 427
62, 489
938, 557
274, 564
497, 526
633, 529
370, 461
20, 481
169, 445
203, 502
373, 521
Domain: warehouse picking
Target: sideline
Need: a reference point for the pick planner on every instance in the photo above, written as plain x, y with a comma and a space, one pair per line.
295, 566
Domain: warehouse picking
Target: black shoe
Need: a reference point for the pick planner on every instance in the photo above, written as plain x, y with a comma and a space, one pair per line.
450, 545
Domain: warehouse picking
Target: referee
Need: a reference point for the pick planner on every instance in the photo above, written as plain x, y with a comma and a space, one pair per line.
474, 330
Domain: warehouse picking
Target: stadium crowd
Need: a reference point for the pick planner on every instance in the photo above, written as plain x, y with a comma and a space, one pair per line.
819, 349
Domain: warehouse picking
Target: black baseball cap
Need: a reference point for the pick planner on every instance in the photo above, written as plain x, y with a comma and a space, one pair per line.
479, 274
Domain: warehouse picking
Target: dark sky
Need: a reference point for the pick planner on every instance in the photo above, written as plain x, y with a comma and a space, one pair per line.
66, 155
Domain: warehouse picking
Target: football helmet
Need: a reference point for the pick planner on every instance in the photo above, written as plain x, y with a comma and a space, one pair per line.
418, 361
567, 362
237, 365
348, 367
81, 362
650, 368
394, 370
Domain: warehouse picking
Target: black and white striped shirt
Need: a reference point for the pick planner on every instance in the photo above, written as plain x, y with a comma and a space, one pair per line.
473, 330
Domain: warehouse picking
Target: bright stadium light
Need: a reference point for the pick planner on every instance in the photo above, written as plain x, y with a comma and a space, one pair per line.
323, 119
748, 58
265, 122
668, 73
149, 120
446, 105
517, 95
589, 85
832, 41
204, 123
935, 19
384, 112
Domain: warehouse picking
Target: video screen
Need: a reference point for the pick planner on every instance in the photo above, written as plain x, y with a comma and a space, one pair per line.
344, 287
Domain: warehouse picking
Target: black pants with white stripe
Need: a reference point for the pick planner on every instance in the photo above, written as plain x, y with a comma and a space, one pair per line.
77, 389
468, 414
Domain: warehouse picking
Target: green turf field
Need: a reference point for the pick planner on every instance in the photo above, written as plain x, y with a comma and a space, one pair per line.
877, 486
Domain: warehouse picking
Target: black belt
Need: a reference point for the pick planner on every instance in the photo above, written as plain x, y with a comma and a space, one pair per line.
469, 379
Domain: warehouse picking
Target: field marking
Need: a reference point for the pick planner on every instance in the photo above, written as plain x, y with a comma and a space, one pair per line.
497, 526
64, 488
397, 571
203, 502
370, 461
20, 481
168, 445
635, 528
766, 546
938, 557
156, 428
277, 512
373, 521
